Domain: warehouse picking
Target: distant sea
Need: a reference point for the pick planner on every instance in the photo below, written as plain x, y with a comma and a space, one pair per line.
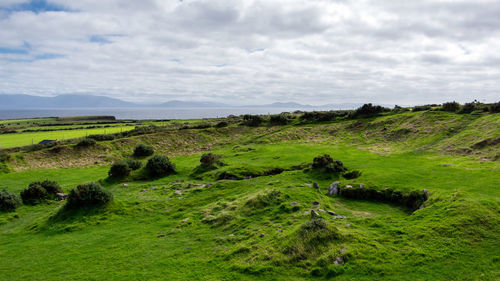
143, 113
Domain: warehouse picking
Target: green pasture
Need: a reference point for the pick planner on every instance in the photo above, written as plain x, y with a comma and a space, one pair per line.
22, 139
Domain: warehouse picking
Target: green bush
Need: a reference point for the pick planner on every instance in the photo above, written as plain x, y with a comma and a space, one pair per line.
252, 120
328, 164
142, 150
86, 195
352, 175
119, 169
421, 108
86, 142
160, 166
494, 107
450, 106
102, 137
39, 191
34, 194
8, 201
369, 110
221, 124
278, 119
134, 164
211, 159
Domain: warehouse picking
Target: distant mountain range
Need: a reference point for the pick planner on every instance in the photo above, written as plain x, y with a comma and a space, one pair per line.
90, 101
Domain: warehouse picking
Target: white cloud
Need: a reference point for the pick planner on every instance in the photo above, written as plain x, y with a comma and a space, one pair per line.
257, 51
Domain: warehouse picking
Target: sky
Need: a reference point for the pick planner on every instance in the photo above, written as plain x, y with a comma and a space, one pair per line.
253, 51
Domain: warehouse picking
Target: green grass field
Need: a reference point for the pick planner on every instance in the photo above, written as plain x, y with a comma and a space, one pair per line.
21, 139
247, 229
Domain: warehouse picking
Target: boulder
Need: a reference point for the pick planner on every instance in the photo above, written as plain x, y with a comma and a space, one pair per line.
61, 196
316, 185
314, 214
185, 220
332, 213
294, 204
334, 188
315, 203
178, 192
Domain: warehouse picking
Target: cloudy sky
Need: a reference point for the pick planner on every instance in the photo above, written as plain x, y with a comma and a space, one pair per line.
253, 51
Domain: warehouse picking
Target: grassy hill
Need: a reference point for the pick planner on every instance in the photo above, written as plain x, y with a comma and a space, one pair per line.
193, 225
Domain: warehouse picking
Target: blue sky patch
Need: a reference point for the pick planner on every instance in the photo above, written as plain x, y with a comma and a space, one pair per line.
36, 6
99, 39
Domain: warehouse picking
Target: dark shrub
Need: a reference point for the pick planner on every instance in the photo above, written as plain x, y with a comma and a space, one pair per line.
221, 124
89, 194
323, 116
398, 109
119, 169
142, 150
8, 201
421, 108
102, 137
252, 120
160, 166
211, 159
451, 106
352, 175
34, 194
278, 119
39, 191
86, 142
328, 164
369, 110
468, 108
494, 107
52, 187
134, 164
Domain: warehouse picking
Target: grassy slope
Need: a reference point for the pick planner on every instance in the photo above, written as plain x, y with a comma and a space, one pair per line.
455, 237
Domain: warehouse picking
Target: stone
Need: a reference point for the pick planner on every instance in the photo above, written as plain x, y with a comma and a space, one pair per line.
343, 250
154, 187
315, 202
348, 186
61, 196
178, 181
314, 214
332, 213
262, 235
308, 184
160, 235
340, 217
316, 185
185, 220
321, 210
125, 185
334, 188
294, 204
280, 230
279, 226
231, 235
361, 185
338, 261
179, 197
348, 225
178, 192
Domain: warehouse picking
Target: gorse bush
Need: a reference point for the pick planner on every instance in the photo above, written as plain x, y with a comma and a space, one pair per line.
278, 119
86, 142
221, 124
468, 108
369, 110
352, 175
86, 195
211, 159
8, 201
159, 166
327, 163
39, 191
102, 137
134, 164
142, 150
252, 120
119, 169
323, 116
494, 107
450, 106
421, 108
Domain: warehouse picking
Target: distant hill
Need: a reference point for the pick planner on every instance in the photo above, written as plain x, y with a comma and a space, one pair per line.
61, 101
187, 104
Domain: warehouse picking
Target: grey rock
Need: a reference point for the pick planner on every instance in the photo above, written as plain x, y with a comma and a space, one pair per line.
61, 196
334, 188
332, 213
315, 202
348, 186
348, 225
316, 185
338, 261
343, 250
185, 220
231, 235
321, 210
178, 192
314, 214
280, 230
340, 217
262, 235
160, 235
308, 184
294, 204
178, 181
125, 185
361, 185
154, 187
